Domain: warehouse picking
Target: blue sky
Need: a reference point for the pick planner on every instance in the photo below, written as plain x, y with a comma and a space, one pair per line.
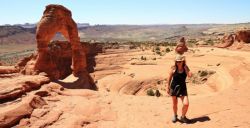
131, 11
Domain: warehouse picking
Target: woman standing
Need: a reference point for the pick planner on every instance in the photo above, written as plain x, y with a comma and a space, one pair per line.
177, 87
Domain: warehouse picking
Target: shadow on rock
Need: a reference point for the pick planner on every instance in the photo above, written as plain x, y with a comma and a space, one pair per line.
82, 82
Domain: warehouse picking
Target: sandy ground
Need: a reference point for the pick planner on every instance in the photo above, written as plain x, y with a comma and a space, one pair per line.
220, 102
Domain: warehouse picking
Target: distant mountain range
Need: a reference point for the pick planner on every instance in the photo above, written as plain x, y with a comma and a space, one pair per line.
25, 33
16, 35
30, 25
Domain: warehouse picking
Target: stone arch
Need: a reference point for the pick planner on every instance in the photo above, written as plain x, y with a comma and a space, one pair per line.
57, 18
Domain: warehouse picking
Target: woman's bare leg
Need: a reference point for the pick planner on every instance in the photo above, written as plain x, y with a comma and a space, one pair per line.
175, 102
185, 103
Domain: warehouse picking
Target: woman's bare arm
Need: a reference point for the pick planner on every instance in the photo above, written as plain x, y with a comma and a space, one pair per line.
187, 70
170, 78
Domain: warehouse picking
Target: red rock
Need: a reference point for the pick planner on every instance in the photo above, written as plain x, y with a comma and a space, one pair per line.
23, 62
39, 120
11, 114
227, 41
11, 88
58, 59
8, 69
181, 46
243, 36
239, 37
57, 18
60, 53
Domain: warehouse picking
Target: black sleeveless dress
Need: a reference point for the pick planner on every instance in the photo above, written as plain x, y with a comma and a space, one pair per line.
178, 85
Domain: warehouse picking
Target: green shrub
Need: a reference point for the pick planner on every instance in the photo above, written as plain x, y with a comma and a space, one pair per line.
143, 58
157, 48
192, 41
158, 52
150, 92
158, 82
167, 50
157, 93
203, 73
210, 41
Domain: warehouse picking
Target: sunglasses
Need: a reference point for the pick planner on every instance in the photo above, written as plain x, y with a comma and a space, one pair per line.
179, 61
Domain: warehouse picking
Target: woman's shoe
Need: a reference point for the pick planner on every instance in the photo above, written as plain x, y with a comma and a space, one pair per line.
185, 119
174, 119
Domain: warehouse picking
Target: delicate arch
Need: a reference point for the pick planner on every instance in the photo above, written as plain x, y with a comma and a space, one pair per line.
57, 18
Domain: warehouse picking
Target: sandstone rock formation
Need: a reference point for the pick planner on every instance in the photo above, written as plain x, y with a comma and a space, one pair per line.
61, 53
236, 39
181, 46
11, 88
243, 36
16, 112
227, 41
8, 69
54, 105
57, 18
58, 59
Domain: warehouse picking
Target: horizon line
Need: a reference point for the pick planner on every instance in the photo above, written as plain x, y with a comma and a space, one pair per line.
16, 24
